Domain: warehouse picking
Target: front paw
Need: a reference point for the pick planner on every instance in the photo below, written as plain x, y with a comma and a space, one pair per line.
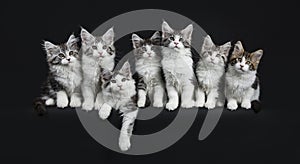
187, 104
62, 102
124, 142
75, 102
88, 105
232, 105
141, 103
158, 104
199, 103
171, 105
98, 105
246, 104
210, 105
104, 112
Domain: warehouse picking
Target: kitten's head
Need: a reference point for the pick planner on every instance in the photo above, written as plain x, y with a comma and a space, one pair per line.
146, 48
243, 61
63, 54
118, 81
98, 46
213, 54
176, 40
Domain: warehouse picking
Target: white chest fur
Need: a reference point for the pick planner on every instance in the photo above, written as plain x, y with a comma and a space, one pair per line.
209, 76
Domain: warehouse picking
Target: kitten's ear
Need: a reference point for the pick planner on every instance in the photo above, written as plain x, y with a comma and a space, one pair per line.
238, 47
86, 36
166, 29
187, 33
72, 42
225, 48
207, 43
136, 41
156, 38
108, 37
50, 47
126, 69
106, 75
256, 56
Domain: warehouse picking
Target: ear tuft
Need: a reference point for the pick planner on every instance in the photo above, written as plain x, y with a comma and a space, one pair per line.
136, 41
108, 36
86, 36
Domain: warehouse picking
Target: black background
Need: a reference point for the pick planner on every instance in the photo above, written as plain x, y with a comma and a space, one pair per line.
267, 137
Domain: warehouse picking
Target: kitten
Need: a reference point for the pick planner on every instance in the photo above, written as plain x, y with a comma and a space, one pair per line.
64, 76
147, 54
210, 73
177, 66
241, 82
119, 93
98, 52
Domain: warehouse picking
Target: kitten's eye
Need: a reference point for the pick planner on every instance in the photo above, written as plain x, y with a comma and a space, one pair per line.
152, 48
172, 38
104, 47
123, 80
61, 55
94, 47
113, 81
240, 59
181, 40
144, 49
248, 62
218, 55
71, 53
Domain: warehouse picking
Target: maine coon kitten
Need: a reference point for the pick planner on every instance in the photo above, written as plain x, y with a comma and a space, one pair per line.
147, 54
119, 92
64, 76
210, 73
241, 82
98, 52
177, 66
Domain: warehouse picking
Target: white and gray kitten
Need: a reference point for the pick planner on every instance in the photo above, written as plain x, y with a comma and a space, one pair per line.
177, 66
64, 76
98, 52
241, 81
210, 74
119, 92
147, 54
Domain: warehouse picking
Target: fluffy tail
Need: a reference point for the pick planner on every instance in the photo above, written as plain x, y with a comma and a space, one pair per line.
256, 106
39, 106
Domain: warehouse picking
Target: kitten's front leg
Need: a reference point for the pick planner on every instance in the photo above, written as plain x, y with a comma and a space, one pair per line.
246, 101
187, 96
126, 130
173, 98
158, 96
88, 96
99, 101
211, 99
62, 99
141, 98
104, 111
75, 100
200, 97
232, 104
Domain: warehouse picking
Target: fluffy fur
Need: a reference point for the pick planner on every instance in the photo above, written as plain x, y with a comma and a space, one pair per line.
147, 54
177, 66
242, 86
64, 77
119, 93
98, 53
210, 73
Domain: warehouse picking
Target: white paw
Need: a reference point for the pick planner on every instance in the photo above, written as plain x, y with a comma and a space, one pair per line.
158, 104
88, 105
98, 105
49, 102
210, 105
75, 101
62, 102
141, 103
232, 105
187, 104
220, 104
124, 142
171, 105
199, 103
246, 104
104, 112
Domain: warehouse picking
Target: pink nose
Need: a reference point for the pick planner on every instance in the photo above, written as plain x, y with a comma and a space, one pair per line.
176, 43
149, 54
100, 53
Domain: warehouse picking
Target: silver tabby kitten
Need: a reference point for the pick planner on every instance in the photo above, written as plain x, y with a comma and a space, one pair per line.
147, 54
64, 77
98, 52
177, 66
210, 73
241, 81
119, 92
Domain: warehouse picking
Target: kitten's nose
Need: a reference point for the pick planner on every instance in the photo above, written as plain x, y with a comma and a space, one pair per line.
242, 66
100, 53
176, 43
149, 53
68, 59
